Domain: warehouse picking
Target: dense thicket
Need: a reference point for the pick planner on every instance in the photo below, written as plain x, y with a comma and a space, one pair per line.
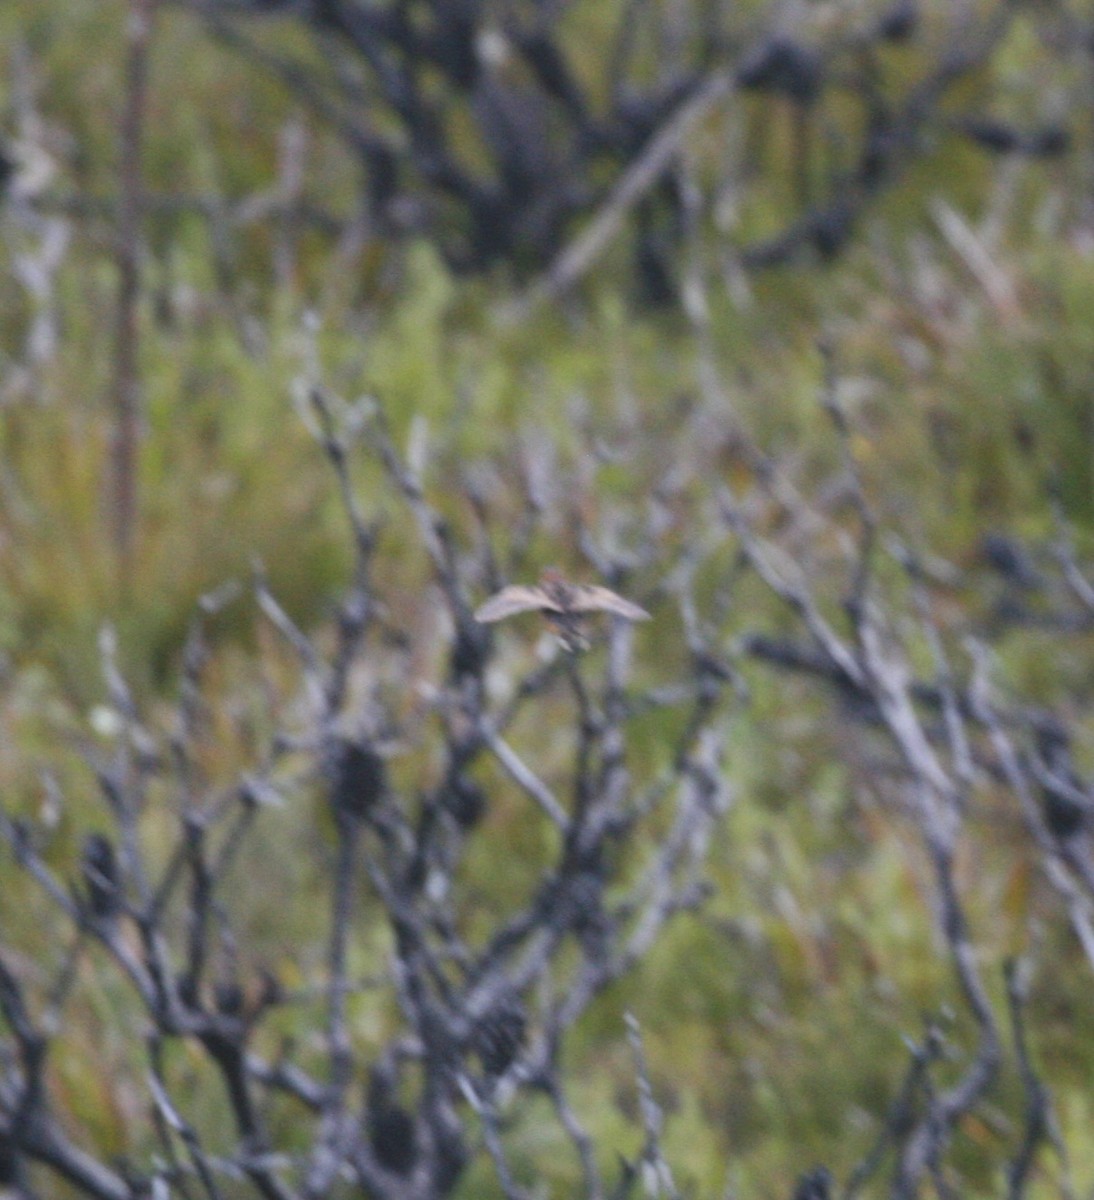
314, 884
499, 131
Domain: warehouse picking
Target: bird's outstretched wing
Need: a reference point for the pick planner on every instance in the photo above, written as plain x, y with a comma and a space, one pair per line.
512, 600
588, 598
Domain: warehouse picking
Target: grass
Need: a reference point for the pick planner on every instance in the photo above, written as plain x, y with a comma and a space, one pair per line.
773, 1023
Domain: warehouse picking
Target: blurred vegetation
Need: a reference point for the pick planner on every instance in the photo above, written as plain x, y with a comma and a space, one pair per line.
960, 323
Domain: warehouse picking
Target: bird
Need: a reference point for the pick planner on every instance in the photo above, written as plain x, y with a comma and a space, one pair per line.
564, 605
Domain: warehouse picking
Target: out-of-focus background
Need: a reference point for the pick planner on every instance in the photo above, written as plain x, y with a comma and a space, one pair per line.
630, 253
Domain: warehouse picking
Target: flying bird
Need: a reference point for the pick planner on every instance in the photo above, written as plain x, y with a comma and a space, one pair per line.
565, 606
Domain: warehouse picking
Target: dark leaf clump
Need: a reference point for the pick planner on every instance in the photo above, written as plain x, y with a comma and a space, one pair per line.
359, 779
499, 1036
392, 1138
99, 867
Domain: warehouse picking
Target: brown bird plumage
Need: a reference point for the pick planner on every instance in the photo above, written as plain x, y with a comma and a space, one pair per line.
565, 605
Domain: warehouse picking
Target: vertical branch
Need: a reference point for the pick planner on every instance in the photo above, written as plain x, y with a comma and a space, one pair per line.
659, 1180
124, 437
1040, 1123
326, 1157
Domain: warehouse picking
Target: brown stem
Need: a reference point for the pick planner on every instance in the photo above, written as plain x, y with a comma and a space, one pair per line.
123, 458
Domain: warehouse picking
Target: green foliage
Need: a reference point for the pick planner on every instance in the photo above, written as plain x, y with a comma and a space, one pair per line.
774, 1021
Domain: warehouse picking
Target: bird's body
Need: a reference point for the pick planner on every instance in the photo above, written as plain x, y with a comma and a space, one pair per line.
565, 606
